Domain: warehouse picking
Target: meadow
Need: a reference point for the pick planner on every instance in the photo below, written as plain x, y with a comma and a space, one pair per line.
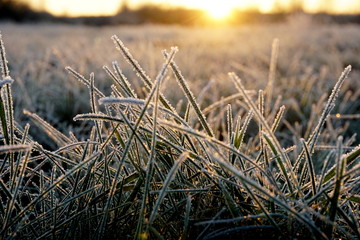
237, 132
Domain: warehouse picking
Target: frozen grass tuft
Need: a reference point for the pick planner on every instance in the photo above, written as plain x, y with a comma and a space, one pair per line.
146, 171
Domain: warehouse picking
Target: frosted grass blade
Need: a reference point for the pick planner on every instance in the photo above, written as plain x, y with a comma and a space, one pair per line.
51, 187
83, 80
124, 81
349, 158
93, 105
272, 74
171, 175
283, 159
138, 69
153, 153
190, 96
6, 79
250, 183
334, 205
310, 166
58, 137
15, 148
326, 112
159, 78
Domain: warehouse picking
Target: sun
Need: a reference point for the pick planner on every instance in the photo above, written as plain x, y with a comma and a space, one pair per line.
218, 10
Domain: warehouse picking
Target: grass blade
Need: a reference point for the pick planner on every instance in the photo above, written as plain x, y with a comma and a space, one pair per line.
129, 143
171, 175
59, 138
310, 166
190, 96
272, 73
326, 112
349, 158
93, 105
138, 69
6, 79
340, 167
271, 139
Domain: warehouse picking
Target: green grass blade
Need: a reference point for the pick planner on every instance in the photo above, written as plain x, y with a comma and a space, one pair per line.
278, 160
58, 181
326, 112
229, 121
14, 196
239, 135
250, 183
340, 167
229, 200
150, 164
185, 232
129, 143
310, 166
273, 140
169, 178
325, 167
349, 158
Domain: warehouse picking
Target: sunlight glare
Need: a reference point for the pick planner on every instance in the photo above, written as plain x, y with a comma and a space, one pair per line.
218, 10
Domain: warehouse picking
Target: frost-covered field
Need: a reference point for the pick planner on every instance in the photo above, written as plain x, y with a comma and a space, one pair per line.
311, 56
251, 133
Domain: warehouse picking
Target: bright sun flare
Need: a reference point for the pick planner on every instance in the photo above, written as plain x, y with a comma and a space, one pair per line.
218, 10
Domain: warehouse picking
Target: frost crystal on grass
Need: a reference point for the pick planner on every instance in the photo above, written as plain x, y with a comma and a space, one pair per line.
4, 68
7, 80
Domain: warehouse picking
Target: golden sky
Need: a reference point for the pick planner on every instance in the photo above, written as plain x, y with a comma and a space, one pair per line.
215, 7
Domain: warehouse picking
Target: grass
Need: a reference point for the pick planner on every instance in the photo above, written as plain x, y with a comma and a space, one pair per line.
147, 170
